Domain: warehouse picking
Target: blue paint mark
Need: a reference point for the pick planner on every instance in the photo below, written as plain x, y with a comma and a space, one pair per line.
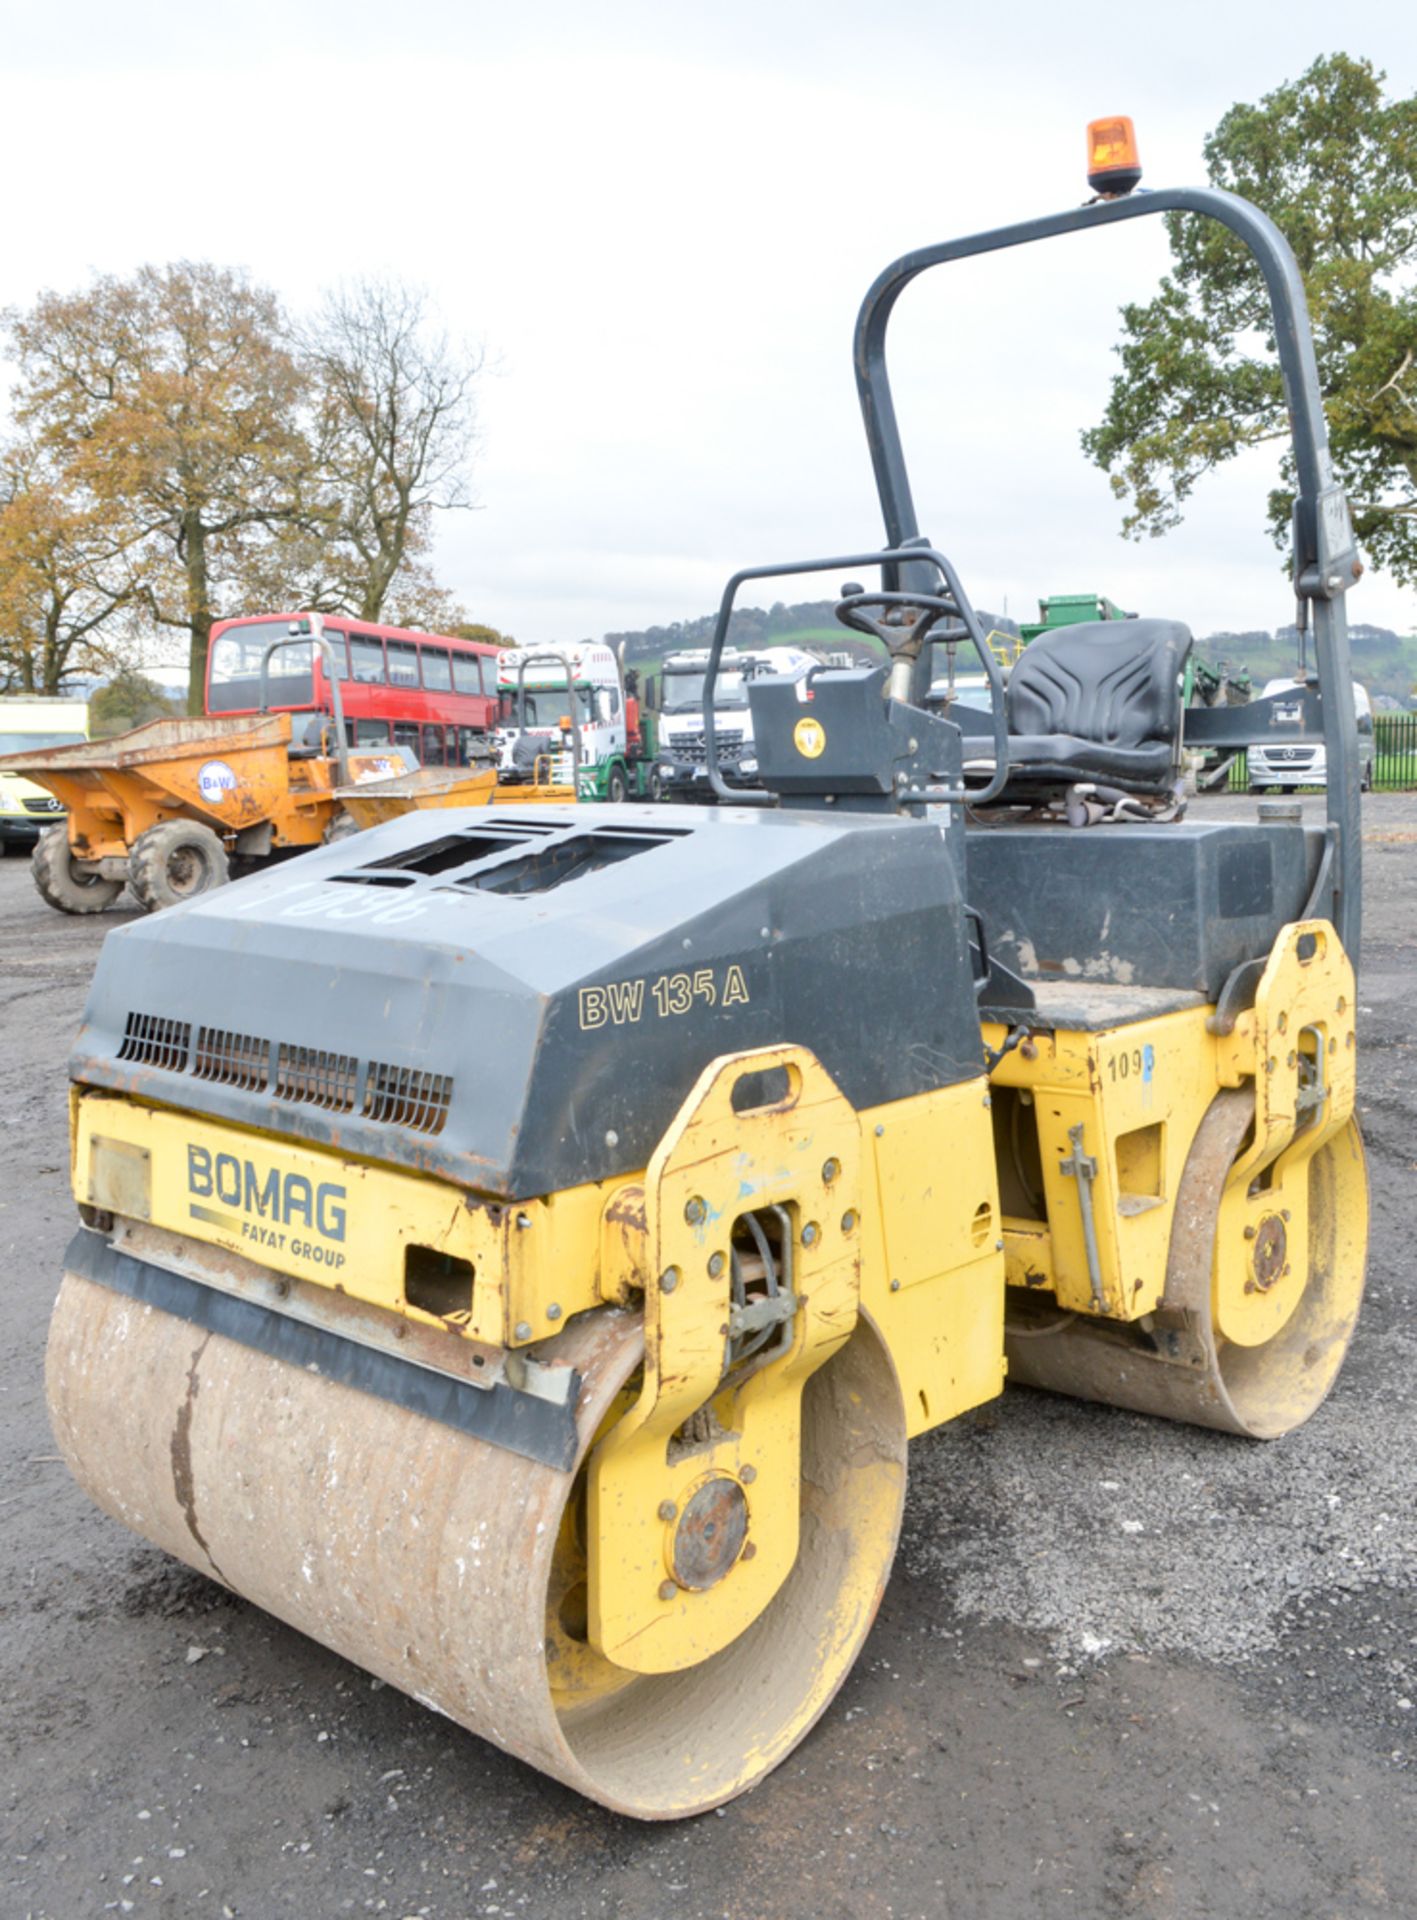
1148, 1064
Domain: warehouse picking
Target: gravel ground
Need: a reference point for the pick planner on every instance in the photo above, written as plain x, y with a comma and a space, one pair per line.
1123, 1668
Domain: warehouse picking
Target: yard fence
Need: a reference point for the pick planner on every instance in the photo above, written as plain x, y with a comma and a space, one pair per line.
1394, 765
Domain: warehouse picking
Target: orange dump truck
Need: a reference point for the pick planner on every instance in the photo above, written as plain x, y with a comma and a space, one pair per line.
168, 808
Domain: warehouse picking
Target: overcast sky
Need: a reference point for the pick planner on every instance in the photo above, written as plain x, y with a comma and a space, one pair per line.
660, 219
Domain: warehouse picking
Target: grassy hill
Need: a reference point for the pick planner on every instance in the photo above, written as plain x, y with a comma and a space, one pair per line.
1384, 661
811, 623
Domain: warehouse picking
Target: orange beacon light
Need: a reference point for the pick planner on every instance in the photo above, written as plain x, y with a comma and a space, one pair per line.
1113, 165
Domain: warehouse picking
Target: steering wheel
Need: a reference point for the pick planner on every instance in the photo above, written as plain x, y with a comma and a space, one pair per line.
851, 611
894, 634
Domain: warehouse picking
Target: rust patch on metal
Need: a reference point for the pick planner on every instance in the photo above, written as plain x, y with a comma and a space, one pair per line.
624, 1236
627, 1209
710, 1534
1271, 1251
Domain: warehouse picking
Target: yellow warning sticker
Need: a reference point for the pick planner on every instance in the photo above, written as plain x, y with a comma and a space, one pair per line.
810, 738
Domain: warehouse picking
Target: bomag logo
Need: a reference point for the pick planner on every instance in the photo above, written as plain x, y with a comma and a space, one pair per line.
276, 1208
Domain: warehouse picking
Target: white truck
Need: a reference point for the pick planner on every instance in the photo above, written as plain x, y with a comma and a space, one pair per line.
680, 756
544, 692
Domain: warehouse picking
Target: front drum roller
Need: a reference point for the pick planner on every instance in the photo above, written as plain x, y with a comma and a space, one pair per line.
455, 1570
1262, 1295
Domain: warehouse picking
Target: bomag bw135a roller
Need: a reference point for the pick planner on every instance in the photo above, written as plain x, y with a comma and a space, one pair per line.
518, 1246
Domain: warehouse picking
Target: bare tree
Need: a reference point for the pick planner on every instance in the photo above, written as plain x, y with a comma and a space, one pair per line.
394, 437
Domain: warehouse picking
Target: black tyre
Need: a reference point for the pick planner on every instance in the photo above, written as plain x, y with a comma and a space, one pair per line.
615, 788
176, 861
67, 885
656, 785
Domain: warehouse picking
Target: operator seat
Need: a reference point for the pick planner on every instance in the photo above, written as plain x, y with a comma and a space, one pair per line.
1098, 702
528, 748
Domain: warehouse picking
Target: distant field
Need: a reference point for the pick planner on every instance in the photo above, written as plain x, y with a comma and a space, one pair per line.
1387, 665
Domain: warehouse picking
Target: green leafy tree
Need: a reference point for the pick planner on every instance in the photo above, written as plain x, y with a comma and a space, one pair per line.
127, 700
174, 397
415, 599
182, 450
1334, 164
475, 630
65, 574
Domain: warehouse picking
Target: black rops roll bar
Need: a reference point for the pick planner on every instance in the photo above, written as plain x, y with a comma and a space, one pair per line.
1326, 559
336, 698
917, 554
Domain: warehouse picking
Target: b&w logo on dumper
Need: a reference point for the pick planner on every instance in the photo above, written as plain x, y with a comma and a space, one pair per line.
215, 780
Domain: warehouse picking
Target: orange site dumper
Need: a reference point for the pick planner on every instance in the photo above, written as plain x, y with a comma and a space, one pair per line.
172, 808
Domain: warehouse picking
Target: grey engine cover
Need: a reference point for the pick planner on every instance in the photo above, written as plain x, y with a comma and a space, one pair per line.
521, 999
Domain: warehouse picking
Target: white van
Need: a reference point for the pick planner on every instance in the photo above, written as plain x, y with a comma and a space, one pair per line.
28, 724
1305, 765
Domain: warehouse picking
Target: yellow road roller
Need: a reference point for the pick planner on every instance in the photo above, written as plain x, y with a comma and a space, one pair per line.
518, 1244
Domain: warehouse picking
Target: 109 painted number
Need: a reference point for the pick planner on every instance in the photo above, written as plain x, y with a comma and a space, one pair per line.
1132, 1063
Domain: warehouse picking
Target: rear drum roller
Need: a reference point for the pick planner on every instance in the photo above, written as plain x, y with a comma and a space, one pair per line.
64, 882
455, 1570
1261, 1297
174, 861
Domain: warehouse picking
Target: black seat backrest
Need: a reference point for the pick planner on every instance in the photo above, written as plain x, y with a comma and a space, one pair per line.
528, 748
1114, 682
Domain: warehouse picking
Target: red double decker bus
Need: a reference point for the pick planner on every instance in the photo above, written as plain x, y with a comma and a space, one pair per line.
428, 692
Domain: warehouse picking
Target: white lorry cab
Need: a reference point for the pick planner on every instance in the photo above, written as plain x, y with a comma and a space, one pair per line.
1306, 765
542, 693
28, 724
681, 757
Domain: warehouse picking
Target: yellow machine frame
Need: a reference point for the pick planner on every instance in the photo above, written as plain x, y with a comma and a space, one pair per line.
895, 1216
1130, 1100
